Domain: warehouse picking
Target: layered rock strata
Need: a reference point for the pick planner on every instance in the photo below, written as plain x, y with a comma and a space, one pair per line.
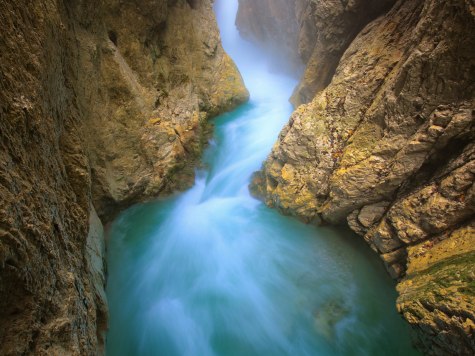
388, 147
101, 105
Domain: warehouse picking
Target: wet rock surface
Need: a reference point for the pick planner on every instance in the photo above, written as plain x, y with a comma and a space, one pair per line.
386, 145
101, 105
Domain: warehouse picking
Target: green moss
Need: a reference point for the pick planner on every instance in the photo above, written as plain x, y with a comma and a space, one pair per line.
452, 274
468, 289
452, 267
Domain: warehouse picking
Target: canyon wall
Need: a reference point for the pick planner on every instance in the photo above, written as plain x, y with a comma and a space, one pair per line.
386, 145
313, 32
102, 104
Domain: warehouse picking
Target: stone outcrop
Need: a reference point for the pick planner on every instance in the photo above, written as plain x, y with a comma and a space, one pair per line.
163, 73
437, 295
101, 105
336, 25
315, 32
387, 145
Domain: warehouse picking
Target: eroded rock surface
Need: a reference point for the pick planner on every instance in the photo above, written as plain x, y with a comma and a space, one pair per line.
101, 105
387, 145
317, 32
437, 294
164, 73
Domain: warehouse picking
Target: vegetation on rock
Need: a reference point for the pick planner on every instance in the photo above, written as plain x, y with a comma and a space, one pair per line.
102, 104
386, 144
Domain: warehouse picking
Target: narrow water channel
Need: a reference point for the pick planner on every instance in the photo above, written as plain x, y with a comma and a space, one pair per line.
213, 271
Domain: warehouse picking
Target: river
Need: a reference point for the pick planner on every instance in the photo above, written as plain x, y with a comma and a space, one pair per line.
212, 271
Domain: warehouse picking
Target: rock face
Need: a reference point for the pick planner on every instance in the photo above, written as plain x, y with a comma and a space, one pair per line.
101, 104
387, 145
316, 32
163, 73
437, 295
336, 25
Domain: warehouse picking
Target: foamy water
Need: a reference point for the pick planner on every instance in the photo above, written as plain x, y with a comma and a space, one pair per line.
213, 271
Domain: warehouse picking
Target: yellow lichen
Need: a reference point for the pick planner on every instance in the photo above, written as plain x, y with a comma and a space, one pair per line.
154, 121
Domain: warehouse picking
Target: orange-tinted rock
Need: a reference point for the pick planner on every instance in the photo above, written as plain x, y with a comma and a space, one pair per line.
388, 146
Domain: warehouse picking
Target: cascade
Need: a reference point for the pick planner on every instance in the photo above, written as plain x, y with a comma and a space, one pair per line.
212, 271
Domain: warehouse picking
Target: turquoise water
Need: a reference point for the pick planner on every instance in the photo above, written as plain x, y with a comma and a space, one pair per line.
212, 271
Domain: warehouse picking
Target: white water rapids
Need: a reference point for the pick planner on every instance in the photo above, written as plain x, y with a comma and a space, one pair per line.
212, 271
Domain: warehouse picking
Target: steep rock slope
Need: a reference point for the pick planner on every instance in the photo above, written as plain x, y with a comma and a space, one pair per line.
101, 103
388, 146
316, 32
163, 73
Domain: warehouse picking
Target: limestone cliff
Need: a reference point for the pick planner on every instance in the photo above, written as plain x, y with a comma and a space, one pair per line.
101, 104
387, 144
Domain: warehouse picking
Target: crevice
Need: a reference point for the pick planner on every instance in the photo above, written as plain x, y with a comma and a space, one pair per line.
113, 37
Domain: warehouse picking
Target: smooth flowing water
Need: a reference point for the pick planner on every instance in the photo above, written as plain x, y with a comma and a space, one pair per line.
213, 271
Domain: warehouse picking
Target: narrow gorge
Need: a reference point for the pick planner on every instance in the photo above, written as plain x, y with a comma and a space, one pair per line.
103, 104
384, 143
125, 126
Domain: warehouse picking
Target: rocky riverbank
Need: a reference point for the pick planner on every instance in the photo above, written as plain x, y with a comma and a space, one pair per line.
385, 143
102, 104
